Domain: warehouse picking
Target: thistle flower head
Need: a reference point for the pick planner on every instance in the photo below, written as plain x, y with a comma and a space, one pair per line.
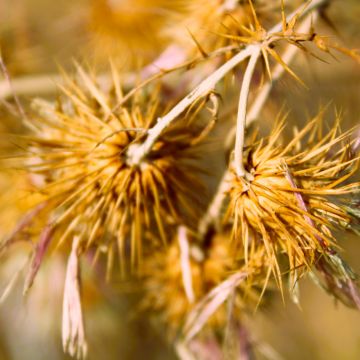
76, 157
293, 203
165, 285
178, 281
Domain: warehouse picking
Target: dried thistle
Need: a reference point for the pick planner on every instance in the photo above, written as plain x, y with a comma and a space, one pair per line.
77, 160
293, 203
166, 286
110, 171
178, 282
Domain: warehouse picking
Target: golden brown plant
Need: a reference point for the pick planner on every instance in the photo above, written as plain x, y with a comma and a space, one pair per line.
76, 157
293, 203
123, 173
177, 279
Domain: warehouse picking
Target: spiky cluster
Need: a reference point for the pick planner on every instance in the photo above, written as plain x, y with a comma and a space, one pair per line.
165, 284
124, 174
177, 279
294, 201
77, 159
283, 223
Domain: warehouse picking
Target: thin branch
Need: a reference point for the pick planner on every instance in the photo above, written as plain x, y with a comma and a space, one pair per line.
150, 77
10, 85
185, 263
200, 314
242, 110
183, 352
137, 152
29, 85
38, 257
12, 283
276, 75
73, 329
212, 214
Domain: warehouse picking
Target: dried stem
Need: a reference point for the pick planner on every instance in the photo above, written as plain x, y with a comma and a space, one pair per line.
29, 85
137, 152
210, 303
150, 77
216, 204
38, 257
242, 110
215, 207
73, 330
185, 263
183, 352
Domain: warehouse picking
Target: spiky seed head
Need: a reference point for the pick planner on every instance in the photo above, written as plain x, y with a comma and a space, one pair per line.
167, 281
77, 160
294, 201
165, 292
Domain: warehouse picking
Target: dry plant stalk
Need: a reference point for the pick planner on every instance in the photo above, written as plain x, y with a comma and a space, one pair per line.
123, 173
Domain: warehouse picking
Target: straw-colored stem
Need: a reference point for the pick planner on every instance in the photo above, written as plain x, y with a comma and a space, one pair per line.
137, 152
29, 85
278, 71
215, 207
242, 111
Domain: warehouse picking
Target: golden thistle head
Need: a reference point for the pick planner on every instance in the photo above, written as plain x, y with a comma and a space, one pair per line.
178, 284
76, 157
294, 200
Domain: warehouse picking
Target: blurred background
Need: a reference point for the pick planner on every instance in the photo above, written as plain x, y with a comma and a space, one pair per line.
37, 37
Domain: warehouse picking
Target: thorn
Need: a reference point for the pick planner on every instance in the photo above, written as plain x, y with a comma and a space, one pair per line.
201, 49
258, 26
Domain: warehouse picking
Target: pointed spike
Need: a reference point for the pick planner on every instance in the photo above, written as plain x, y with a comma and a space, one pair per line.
200, 48
267, 64
256, 20
292, 23
277, 57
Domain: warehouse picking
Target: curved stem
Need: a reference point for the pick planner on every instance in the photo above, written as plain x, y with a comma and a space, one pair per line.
241, 118
215, 207
137, 152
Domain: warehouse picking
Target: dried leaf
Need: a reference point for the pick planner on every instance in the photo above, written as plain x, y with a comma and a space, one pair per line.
39, 253
209, 304
73, 331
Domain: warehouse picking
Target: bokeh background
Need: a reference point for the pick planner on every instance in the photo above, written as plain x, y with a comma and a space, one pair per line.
37, 37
